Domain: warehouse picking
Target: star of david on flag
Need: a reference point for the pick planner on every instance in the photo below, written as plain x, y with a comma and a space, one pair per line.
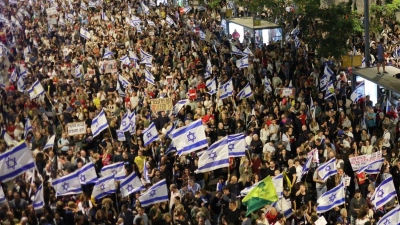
155, 194
117, 170
383, 193
131, 184
103, 187
189, 138
331, 199
67, 185
327, 169
150, 134
392, 217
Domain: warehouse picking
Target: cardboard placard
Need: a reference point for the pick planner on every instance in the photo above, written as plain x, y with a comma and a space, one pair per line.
363, 160
76, 128
161, 104
110, 66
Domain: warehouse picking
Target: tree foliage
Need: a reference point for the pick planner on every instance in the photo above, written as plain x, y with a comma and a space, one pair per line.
379, 12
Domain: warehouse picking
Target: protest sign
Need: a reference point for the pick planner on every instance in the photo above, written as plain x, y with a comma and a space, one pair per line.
161, 104
110, 66
76, 128
363, 160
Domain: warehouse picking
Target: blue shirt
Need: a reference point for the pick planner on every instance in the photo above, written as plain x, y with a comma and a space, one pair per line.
381, 51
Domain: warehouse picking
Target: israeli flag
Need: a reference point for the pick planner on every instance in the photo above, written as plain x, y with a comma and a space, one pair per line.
243, 62
247, 51
133, 56
103, 187
155, 194
125, 123
107, 53
331, 199
132, 119
67, 185
138, 29
144, 54
186, 9
92, 4
28, 127
323, 81
117, 170
236, 145
226, 89
392, 217
35, 90
211, 85
150, 134
99, 123
145, 8
330, 90
171, 148
151, 23
104, 15
328, 72
169, 21
87, 174
295, 31
22, 71
358, 93
236, 51
216, 157
149, 77
16, 162
384, 193
169, 131
306, 167
146, 173
21, 84
2, 196
124, 60
208, 69
83, 6
78, 71
130, 184
148, 61
124, 82
372, 168
246, 92
297, 42
267, 85
189, 138
327, 169
38, 200
120, 135
14, 76
202, 35
178, 106
284, 207
152, 3
85, 33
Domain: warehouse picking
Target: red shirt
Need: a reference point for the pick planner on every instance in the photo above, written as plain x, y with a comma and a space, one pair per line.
271, 218
10, 130
201, 86
303, 119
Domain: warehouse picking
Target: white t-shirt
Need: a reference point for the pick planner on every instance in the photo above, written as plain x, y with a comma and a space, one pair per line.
386, 139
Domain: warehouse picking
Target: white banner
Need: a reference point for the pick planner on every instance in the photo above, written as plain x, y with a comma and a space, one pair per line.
363, 160
76, 128
51, 11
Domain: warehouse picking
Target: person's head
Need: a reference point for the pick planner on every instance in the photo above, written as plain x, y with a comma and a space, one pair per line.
140, 210
357, 194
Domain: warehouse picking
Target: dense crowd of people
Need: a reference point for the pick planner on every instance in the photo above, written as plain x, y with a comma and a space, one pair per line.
80, 76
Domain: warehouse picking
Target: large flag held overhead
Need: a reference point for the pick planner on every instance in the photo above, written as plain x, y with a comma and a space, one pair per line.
305, 168
35, 90
263, 194
373, 167
329, 90
284, 207
125, 123
130, 185
87, 174
178, 106
236, 51
99, 123
236, 145
156, 194
16, 162
226, 89
189, 138
331, 199
216, 157
278, 184
384, 193
2, 196
117, 170
267, 85
150, 134
246, 92
38, 200
212, 86
327, 169
243, 62
328, 72
358, 93
103, 187
392, 217
28, 127
67, 185
50, 142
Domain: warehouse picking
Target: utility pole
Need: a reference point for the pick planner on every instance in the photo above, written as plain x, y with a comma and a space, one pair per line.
366, 33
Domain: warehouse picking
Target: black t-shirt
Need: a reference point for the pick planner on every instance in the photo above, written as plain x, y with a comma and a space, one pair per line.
302, 200
233, 216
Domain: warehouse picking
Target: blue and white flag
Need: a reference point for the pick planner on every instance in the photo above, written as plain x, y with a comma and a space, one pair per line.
35, 90
373, 167
169, 131
78, 71
330, 90
155, 194
146, 173
28, 127
38, 200
14, 75
332, 198
92, 4
211, 85
121, 135
150, 134
125, 123
246, 92
21, 84
144, 54
103, 187
117, 170
132, 119
236, 145
243, 62
67, 185
267, 85
226, 89
23, 72
169, 21
283, 206
133, 56
107, 53
327, 169
295, 31
99, 123
208, 69
236, 51
189, 138
384, 193
186, 9
392, 217
104, 15
216, 157
2, 196
297, 42
328, 72
148, 61
16, 162
306, 167
358, 93
87, 174
323, 81
145, 8
151, 23
149, 77
278, 183
83, 6
125, 60
178, 106
84, 33
130, 184
247, 51
171, 149
202, 35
